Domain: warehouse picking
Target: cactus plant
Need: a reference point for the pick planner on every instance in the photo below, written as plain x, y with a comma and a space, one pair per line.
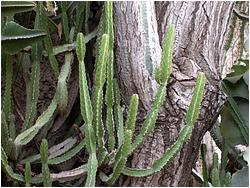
101, 152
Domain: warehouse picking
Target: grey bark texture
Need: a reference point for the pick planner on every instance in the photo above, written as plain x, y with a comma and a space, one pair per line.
201, 32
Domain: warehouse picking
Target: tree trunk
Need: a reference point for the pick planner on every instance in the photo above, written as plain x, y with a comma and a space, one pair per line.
200, 34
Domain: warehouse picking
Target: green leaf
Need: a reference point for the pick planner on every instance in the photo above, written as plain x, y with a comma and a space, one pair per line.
238, 72
239, 89
27, 176
229, 127
246, 78
230, 130
15, 37
240, 178
26, 136
237, 115
9, 8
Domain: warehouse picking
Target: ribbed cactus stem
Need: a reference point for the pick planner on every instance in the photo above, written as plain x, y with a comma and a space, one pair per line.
27, 175
45, 168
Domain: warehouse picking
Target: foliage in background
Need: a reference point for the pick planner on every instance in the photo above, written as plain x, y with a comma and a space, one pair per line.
235, 113
231, 134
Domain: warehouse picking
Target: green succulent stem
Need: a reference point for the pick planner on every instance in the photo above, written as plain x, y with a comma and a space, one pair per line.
118, 114
87, 113
204, 165
27, 175
45, 168
8, 87
184, 135
215, 171
98, 94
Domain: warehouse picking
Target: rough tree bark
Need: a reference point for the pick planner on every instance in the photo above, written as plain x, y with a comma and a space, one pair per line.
201, 31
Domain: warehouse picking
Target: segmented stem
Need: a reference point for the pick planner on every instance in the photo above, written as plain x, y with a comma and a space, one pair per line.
45, 168
204, 164
121, 158
166, 59
98, 94
149, 123
215, 171
47, 41
27, 175
8, 87
87, 114
63, 6
62, 90
26, 136
130, 122
118, 114
184, 134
